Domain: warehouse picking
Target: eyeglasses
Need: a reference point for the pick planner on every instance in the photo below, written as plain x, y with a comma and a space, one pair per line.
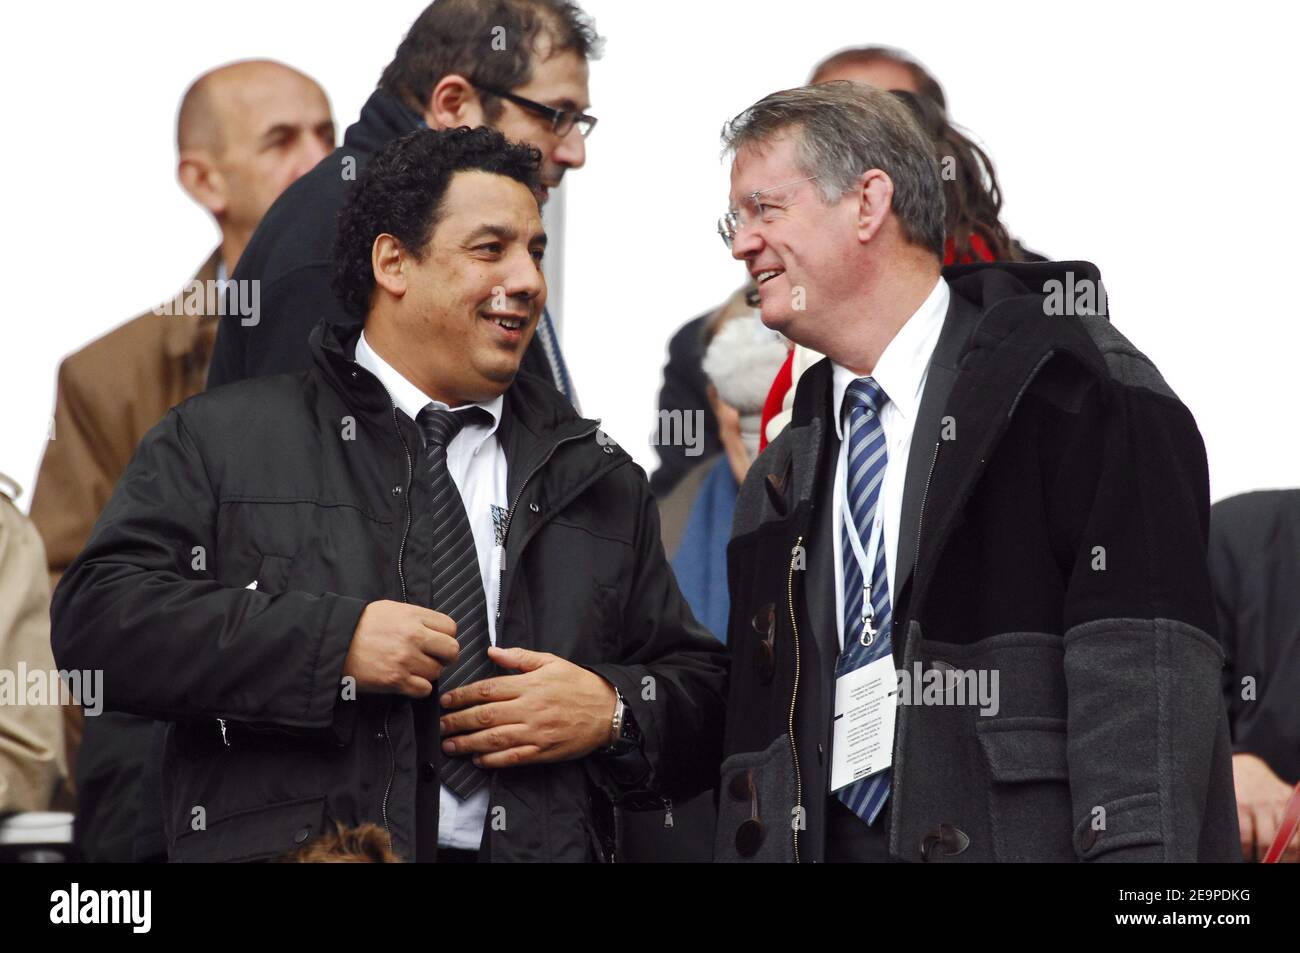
751, 209
562, 120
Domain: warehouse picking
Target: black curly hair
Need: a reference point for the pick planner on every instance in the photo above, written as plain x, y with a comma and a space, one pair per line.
400, 193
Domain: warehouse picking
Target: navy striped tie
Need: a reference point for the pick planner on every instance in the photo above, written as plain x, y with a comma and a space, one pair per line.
867, 460
457, 582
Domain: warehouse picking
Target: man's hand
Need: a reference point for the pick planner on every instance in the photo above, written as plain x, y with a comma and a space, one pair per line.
1261, 801
554, 711
400, 648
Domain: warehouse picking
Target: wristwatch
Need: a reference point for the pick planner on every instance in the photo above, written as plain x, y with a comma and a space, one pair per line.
624, 734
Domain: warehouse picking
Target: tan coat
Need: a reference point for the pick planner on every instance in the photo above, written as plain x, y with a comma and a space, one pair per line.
110, 393
31, 735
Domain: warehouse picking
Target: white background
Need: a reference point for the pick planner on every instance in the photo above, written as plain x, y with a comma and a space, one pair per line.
1157, 140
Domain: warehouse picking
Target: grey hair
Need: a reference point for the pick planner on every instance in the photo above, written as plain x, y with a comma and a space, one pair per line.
846, 128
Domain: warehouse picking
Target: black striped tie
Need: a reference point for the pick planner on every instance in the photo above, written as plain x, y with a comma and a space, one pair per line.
457, 585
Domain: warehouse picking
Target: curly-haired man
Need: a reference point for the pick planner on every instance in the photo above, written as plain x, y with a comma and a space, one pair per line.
409, 586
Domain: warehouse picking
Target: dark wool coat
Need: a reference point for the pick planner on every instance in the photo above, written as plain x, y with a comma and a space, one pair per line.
1046, 448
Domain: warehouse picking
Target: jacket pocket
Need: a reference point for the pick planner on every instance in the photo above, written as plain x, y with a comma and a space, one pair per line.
1029, 790
756, 806
255, 834
273, 574
1024, 749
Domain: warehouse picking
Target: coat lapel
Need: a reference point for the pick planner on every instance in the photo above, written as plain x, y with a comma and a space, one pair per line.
813, 451
957, 327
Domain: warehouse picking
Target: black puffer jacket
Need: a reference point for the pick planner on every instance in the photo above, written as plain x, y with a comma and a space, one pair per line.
260, 481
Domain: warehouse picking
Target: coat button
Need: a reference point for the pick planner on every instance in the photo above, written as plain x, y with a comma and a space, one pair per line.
1089, 838
379, 736
397, 490
428, 771
742, 785
608, 449
534, 507
749, 837
302, 835
946, 840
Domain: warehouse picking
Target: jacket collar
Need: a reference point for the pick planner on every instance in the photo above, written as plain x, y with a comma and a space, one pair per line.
954, 338
383, 118
535, 421
409, 398
901, 368
1003, 344
992, 346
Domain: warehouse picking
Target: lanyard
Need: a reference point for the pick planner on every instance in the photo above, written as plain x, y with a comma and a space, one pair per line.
866, 561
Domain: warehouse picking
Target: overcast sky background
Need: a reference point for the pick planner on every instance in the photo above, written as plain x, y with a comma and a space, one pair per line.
1156, 140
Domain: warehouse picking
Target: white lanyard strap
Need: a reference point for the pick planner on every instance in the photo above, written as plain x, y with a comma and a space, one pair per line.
866, 561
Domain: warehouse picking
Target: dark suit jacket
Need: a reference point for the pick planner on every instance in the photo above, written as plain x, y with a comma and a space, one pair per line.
1255, 568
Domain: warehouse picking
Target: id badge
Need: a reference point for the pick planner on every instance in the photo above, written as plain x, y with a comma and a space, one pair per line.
862, 736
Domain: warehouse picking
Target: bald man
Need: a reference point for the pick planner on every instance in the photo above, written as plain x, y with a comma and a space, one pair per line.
245, 132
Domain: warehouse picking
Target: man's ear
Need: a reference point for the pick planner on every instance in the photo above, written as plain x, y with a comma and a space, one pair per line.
875, 202
453, 102
200, 178
387, 258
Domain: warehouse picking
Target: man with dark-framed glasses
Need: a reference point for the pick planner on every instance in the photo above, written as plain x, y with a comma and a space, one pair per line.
562, 119
519, 67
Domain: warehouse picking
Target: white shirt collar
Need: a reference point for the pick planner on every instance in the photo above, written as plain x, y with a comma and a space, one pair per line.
901, 370
409, 399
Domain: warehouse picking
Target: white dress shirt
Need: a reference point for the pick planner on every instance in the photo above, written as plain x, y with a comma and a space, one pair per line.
901, 373
477, 463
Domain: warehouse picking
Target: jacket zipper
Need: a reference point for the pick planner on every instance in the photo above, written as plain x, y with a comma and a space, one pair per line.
794, 694
510, 516
505, 538
401, 578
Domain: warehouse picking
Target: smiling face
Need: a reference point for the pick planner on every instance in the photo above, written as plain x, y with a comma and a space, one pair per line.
460, 319
796, 247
